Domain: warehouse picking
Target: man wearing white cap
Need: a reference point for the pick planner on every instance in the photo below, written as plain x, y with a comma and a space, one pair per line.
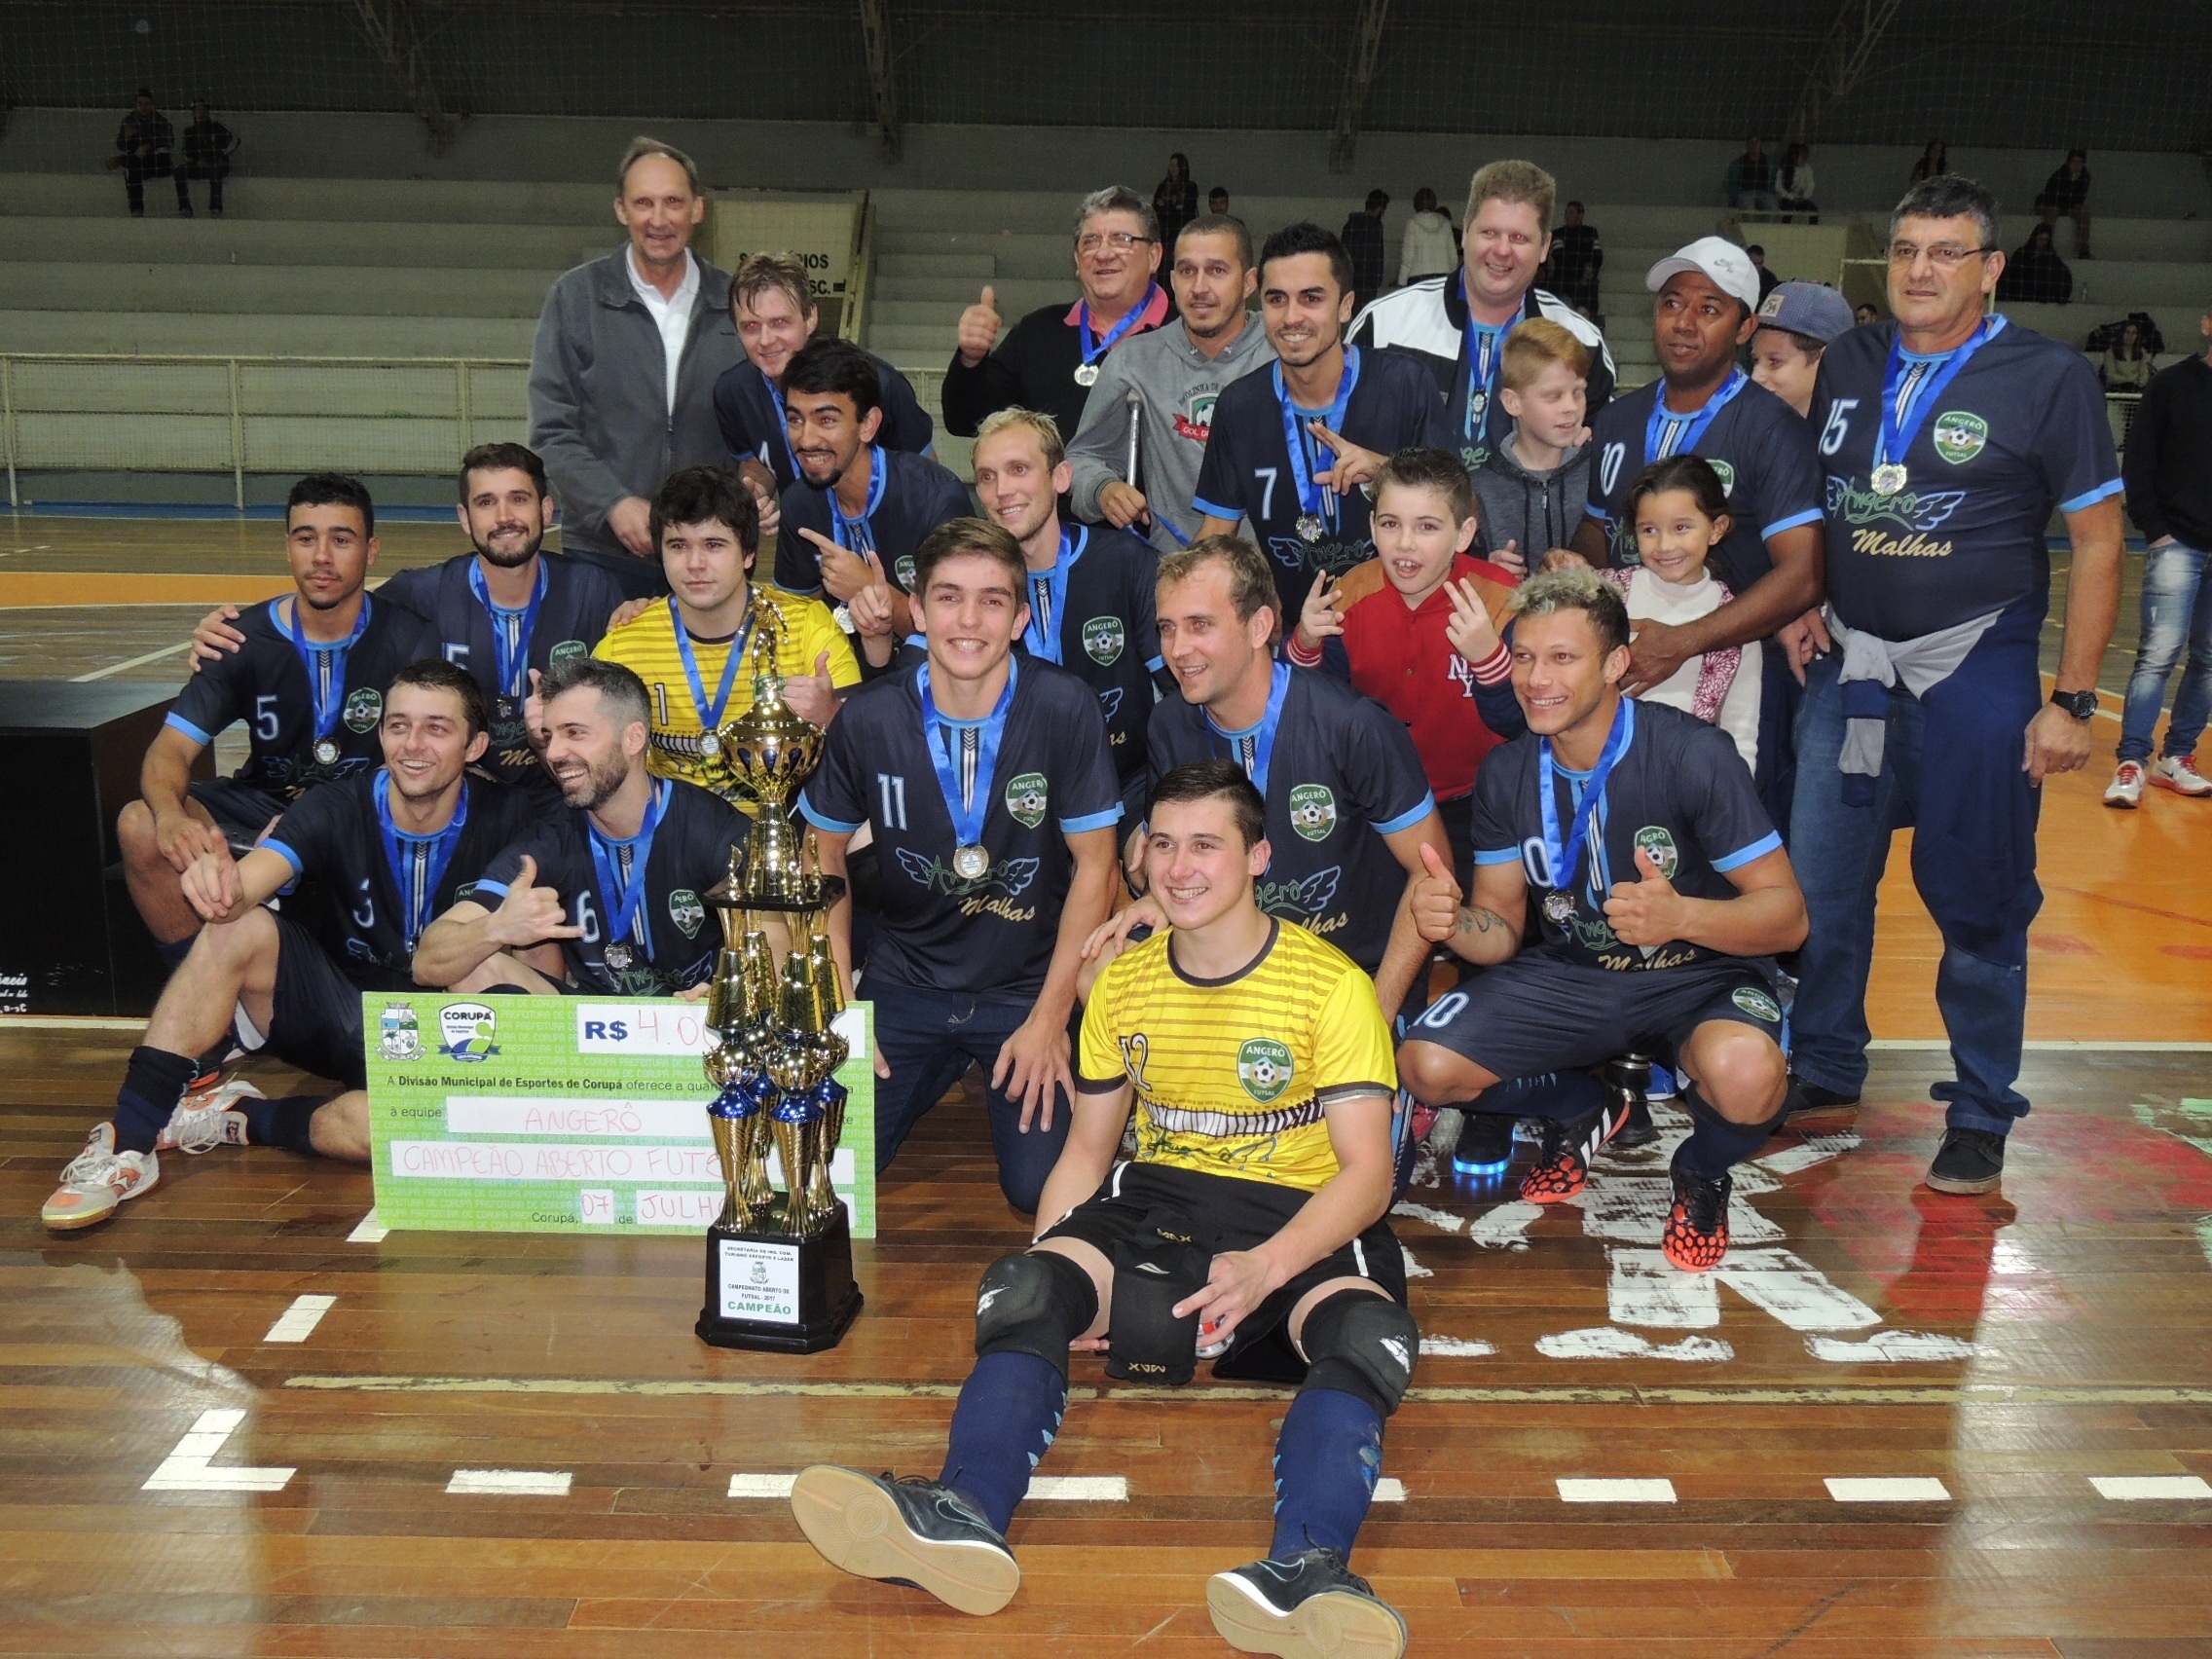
1703, 404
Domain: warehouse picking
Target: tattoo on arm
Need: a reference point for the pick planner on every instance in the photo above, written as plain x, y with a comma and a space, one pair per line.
1479, 921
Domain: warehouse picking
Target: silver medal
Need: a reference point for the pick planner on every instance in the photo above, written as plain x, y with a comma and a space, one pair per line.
1087, 374
326, 752
1311, 528
1889, 478
618, 956
971, 863
1559, 906
843, 617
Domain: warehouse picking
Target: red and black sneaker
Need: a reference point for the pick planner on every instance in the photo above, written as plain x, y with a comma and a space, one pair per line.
1696, 1237
1563, 1163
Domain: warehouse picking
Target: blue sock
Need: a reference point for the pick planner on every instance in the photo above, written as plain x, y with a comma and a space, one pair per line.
153, 1082
1716, 1145
1009, 1410
1547, 1095
1327, 1460
280, 1123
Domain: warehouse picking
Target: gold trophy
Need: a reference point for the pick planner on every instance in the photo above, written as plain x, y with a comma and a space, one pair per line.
779, 1266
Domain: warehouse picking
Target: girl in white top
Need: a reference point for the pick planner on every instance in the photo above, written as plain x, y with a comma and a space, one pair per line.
1681, 514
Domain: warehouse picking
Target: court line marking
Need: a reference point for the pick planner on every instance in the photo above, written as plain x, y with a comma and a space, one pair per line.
135, 662
1051, 1489
509, 1483
2136, 1489
1389, 1490
369, 1230
1888, 1489
2054, 1045
1615, 1492
297, 1322
189, 1467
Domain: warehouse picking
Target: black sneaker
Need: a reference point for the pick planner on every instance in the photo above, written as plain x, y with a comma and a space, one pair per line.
1310, 1606
1970, 1160
1696, 1236
912, 1531
1485, 1146
1811, 1109
1563, 1163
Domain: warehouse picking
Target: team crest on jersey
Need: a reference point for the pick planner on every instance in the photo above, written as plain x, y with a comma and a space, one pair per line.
467, 1028
364, 707
1758, 1003
1313, 811
1103, 639
1264, 1067
1657, 842
1727, 473
904, 570
567, 650
1026, 797
685, 911
1960, 436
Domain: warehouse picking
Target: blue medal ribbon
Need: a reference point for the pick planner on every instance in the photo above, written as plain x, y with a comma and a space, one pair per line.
857, 534
1485, 347
944, 756
1262, 737
1565, 857
424, 856
625, 900
1042, 635
1896, 434
512, 657
1692, 426
710, 714
1311, 496
325, 666
1092, 346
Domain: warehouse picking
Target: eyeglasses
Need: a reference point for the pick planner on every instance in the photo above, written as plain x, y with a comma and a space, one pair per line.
1115, 241
1944, 256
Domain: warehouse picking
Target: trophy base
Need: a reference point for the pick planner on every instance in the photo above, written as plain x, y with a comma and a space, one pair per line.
776, 1294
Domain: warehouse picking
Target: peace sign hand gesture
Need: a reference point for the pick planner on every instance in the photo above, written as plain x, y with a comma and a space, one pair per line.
1353, 465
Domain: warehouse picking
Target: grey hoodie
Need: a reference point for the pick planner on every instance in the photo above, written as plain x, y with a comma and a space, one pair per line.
1537, 511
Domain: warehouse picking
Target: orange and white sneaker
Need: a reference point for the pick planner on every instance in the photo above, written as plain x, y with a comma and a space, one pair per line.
2179, 773
2126, 791
96, 1181
203, 1120
1562, 1167
1696, 1236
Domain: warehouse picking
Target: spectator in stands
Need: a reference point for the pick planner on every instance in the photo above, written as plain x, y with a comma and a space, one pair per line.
1795, 185
2066, 192
622, 373
2169, 497
1866, 312
1750, 184
208, 147
142, 146
1797, 323
1767, 279
1431, 246
1576, 259
1051, 360
2035, 275
1362, 237
1217, 200
1175, 199
2128, 363
1934, 162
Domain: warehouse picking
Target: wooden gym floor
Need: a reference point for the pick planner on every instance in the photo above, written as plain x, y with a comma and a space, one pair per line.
2026, 1378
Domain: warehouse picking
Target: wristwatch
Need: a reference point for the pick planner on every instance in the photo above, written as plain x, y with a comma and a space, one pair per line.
2081, 705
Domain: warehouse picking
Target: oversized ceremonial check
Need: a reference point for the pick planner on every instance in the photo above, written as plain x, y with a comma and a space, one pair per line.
516, 1114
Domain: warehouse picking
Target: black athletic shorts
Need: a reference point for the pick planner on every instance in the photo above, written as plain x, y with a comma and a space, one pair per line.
1539, 1013
240, 810
315, 1014
1223, 1213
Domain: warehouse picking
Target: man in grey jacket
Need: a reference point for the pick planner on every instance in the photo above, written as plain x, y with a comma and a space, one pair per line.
622, 374
1173, 376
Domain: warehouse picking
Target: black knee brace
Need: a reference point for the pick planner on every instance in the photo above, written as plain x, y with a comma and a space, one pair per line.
1363, 1345
1037, 1301
1153, 1270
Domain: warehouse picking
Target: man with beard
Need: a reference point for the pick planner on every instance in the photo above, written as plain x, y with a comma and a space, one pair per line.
617, 876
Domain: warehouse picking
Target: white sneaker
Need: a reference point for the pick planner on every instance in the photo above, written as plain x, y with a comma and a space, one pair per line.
2179, 773
203, 1120
97, 1180
2126, 791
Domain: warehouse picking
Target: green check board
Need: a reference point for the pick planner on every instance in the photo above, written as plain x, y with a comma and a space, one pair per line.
517, 1114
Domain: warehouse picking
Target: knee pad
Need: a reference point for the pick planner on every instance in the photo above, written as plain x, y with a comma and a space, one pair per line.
1035, 1302
1154, 1269
1363, 1345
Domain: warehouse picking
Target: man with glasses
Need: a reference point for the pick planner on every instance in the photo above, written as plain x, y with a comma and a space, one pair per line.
1947, 438
1051, 359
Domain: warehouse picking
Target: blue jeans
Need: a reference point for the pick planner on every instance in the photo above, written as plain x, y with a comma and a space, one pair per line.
927, 1039
2177, 608
1974, 861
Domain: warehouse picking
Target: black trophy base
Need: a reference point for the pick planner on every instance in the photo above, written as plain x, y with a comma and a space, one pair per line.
776, 1294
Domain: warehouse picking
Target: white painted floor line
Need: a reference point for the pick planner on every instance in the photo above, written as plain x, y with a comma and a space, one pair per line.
1896, 1489
1455, 1348
761, 1485
2132, 1489
370, 1231
1049, 1489
509, 1483
1616, 1492
1389, 1490
190, 1466
297, 1322
134, 662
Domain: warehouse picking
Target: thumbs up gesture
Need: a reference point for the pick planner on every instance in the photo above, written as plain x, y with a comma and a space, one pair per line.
530, 914
1646, 912
980, 326
1435, 898
811, 695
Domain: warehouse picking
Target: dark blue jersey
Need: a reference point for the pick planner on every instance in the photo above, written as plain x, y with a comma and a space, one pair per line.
670, 941
576, 599
334, 838
1761, 448
1099, 618
2021, 430
266, 683
993, 934
1248, 471
1679, 792
751, 412
1338, 774
909, 496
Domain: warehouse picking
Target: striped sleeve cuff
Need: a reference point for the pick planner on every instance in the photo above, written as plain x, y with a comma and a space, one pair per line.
1408, 819
177, 722
821, 820
1811, 515
1298, 653
1497, 856
1098, 1084
1758, 849
1091, 820
2090, 497
1496, 667
486, 885
284, 852
1210, 510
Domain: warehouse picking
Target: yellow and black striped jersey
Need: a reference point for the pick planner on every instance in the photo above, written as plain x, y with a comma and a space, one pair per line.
1233, 1076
